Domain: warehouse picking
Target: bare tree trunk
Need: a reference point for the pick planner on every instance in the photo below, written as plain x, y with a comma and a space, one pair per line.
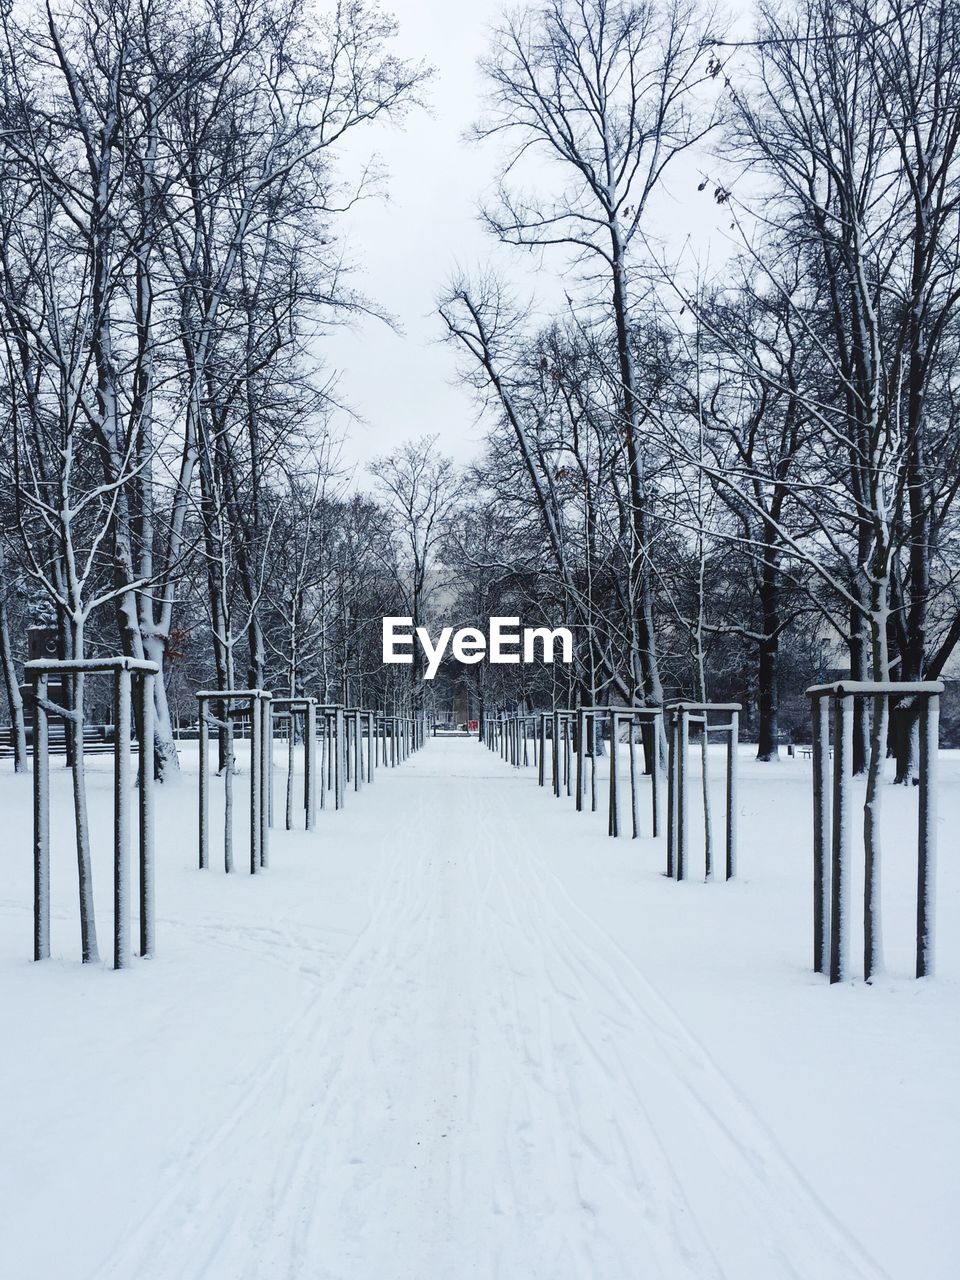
768, 741
859, 648
18, 732
75, 719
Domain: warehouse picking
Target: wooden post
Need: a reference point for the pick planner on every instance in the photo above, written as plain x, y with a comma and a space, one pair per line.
204, 786
555, 753
41, 821
655, 774
821, 830
324, 759
613, 820
842, 760
927, 834
121, 820
581, 742
291, 720
683, 741
229, 738
733, 741
704, 720
340, 759
256, 786
266, 760
310, 765
634, 816
593, 762
879, 708
671, 792
147, 861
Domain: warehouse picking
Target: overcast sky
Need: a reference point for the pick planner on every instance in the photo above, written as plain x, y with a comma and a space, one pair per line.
404, 385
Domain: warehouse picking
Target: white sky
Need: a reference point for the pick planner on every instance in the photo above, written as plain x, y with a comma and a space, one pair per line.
404, 385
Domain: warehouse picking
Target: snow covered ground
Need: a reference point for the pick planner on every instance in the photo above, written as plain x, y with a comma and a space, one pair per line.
458, 1032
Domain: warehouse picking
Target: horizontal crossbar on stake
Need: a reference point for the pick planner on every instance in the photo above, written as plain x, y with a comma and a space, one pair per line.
868, 688
90, 666
703, 706
289, 711
640, 713
224, 695
832, 823
260, 713
133, 682
680, 716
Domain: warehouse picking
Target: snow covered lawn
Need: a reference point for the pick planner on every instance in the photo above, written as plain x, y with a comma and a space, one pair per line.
458, 1032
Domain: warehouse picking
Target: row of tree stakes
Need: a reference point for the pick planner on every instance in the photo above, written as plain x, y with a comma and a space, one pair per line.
342, 747
566, 742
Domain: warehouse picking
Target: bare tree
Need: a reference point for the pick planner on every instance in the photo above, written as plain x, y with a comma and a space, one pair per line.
420, 488
604, 90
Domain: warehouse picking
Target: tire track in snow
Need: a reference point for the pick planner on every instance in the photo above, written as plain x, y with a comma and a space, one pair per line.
800, 1236
197, 1224
659, 1233
434, 1052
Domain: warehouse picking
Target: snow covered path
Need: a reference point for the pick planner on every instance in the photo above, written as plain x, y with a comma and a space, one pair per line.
475, 1080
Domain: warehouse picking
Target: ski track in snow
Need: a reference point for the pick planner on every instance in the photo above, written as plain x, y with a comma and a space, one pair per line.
487, 1087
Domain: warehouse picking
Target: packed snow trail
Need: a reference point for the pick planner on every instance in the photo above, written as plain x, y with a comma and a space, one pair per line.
485, 1087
